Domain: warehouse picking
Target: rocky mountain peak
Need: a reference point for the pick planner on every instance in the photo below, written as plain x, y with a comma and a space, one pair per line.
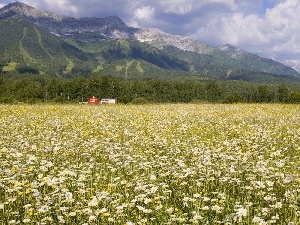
116, 20
21, 9
85, 29
233, 51
160, 39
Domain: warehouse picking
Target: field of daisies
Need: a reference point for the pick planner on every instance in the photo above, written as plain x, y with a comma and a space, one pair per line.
150, 164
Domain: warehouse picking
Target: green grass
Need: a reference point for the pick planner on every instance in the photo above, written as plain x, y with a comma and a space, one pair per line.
69, 66
23, 51
139, 67
41, 44
10, 67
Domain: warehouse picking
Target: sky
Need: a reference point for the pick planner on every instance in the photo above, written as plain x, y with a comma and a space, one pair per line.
269, 28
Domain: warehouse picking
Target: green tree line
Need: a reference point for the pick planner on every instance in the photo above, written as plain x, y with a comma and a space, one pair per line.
33, 88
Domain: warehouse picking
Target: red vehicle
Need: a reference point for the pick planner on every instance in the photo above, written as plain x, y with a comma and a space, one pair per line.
93, 100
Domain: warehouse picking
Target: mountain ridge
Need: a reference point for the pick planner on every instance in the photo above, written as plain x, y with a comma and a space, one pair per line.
244, 57
68, 27
28, 11
161, 39
194, 53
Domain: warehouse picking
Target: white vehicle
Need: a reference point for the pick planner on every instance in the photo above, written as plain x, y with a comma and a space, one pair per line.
108, 101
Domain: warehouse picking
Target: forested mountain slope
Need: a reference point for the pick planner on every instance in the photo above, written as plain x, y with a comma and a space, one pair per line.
41, 42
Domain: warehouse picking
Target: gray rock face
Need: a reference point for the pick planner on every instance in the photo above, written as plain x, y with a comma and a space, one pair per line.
232, 51
85, 29
160, 39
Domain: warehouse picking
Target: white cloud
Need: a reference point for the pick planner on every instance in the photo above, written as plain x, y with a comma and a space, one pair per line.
183, 7
295, 63
146, 12
239, 29
178, 7
62, 7
66, 5
272, 34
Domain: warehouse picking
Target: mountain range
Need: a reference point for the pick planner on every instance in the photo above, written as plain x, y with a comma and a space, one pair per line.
37, 41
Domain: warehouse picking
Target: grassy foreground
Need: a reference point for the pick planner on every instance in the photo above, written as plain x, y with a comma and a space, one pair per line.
153, 164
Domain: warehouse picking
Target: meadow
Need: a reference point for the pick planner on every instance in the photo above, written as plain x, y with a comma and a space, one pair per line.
150, 164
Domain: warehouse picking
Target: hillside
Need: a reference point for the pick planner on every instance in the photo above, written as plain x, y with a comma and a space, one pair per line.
257, 63
31, 46
41, 42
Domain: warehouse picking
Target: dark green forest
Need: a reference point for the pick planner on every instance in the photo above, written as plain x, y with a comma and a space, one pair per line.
34, 88
37, 65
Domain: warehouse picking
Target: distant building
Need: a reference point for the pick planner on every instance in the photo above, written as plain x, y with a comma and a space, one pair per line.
93, 100
108, 101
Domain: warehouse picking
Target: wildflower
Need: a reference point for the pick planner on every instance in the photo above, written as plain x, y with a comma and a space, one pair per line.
158, 207
144, 210
69, 197
147, 200
256, 219
93, 202
217, 208
276, 217
43, 209
104, 210
1, 206
270, 198
270, 183
61, 219
278, 205
153, 190
181, 220
92, 218
205, 208
48, 218
72, 214
186, 199
129, 223
152, 177
197, 195
26, 220
27, 206
169, 210
206, 199
197, 217
264, 211
242, 212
